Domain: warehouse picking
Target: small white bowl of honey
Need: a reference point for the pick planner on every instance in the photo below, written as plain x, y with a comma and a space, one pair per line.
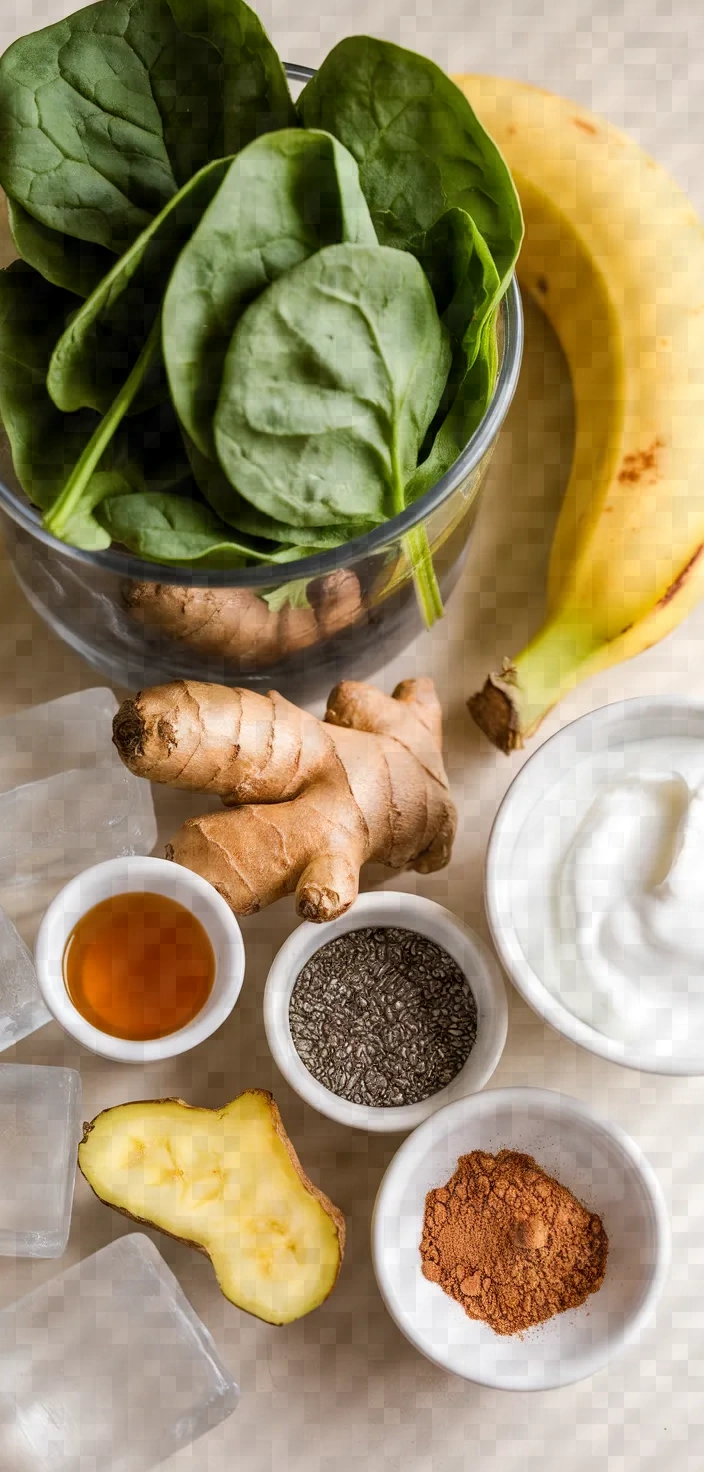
139, 959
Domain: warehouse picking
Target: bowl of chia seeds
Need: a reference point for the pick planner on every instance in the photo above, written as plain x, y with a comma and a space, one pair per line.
379, 1018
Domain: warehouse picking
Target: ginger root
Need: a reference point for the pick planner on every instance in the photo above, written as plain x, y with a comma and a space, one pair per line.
238, 625
313, 800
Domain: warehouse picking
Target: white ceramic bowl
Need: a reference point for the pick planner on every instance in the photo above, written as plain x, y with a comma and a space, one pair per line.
146, 875
604, 1169
409, 912
511, 853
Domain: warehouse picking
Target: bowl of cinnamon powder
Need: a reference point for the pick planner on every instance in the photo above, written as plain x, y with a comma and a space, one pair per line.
520, 1240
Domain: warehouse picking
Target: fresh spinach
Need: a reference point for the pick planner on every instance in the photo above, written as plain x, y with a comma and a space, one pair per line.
74, 265
333, 376
104, 116
76, 496
45, 444
256, 98
106, 336
299, 333
164, 527
466, 283
82, 528
419, 145
469, 405
239, 514
285, 196
291, 595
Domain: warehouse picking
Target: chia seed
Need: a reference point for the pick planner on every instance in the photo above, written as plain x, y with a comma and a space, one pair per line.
383, 1016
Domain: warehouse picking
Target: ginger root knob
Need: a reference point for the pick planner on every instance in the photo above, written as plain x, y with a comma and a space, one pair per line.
308, 802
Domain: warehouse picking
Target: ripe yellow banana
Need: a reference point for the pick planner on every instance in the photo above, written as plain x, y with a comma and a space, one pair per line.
614, 255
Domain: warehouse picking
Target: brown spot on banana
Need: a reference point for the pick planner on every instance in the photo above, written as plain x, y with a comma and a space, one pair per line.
641, 463
680, 580
584, 125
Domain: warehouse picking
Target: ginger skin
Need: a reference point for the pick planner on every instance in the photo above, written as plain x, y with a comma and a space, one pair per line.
232, 623
237, 625
313, 800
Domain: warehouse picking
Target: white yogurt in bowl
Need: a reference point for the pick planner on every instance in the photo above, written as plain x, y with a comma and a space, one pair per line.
595, 883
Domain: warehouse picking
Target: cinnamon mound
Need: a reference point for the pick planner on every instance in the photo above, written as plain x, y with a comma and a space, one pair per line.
509, 1243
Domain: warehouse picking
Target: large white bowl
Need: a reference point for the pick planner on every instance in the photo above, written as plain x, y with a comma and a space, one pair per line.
604, 1169
410, 912
151, 876
609, 729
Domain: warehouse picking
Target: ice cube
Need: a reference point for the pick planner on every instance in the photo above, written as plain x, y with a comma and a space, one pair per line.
66, 800
21, 1007
107, 1368
40, 1127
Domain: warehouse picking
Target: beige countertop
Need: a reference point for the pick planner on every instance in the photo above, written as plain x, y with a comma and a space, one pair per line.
342, 1389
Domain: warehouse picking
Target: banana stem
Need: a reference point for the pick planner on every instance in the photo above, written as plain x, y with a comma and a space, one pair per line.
512, 704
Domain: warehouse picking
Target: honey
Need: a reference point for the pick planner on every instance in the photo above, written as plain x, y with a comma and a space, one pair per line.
139, 966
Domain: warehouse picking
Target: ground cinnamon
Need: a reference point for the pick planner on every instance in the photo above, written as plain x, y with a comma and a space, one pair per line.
509, 1243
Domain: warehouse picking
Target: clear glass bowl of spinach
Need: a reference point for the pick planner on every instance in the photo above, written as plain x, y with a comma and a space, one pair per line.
173, 572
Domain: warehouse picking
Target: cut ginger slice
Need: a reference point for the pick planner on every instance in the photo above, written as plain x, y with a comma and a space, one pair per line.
229, 1183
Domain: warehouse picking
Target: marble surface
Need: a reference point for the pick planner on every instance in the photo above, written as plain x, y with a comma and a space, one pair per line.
342, 1390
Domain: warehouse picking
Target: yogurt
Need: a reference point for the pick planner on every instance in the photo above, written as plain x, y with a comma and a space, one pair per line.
610, 910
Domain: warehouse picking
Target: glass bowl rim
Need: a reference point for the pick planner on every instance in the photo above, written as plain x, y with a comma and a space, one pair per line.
127, 565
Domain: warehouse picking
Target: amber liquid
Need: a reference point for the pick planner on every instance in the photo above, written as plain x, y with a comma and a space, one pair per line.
139, 966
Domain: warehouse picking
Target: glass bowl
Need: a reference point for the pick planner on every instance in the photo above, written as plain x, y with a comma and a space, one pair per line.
141, 623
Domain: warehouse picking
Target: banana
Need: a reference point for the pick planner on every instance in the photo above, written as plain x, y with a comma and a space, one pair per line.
614, 255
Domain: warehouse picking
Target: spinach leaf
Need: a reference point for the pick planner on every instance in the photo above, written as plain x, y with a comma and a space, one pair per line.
163, 527
244, 518
465, 281
82, 529
76, 496
285, 196
333, 376
104, 115
419, 145
104, 339
256, 98
469, 405
465, 278
45, 444
75, 265
294, 594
